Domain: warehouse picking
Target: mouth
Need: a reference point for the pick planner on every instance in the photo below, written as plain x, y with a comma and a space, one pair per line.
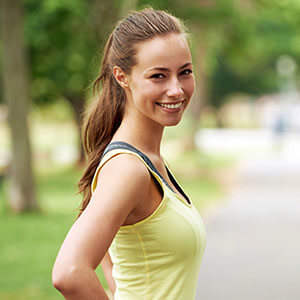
172, 105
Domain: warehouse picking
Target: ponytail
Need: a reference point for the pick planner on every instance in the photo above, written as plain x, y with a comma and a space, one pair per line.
100, 123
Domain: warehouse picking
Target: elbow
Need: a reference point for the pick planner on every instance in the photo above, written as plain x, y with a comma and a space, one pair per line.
58, 284
58, 281
65, 279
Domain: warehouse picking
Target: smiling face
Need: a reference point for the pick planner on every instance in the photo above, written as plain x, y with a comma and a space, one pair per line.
161, 84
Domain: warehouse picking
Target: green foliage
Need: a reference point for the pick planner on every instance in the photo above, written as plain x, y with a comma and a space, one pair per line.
61, 47
255, 39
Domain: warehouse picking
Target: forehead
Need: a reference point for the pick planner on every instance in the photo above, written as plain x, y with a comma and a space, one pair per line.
169, 50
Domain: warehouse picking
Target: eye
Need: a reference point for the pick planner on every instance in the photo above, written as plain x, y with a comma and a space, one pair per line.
158, 76
186, 72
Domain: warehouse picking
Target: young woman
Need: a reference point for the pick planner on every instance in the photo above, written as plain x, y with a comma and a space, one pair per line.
135, 219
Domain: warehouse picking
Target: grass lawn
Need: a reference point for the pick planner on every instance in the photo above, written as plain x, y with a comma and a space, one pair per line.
29, 246
30, 242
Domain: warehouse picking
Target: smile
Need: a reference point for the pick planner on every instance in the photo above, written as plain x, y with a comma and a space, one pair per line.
170, 106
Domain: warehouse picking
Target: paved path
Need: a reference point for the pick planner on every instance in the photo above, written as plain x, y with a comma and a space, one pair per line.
253, 239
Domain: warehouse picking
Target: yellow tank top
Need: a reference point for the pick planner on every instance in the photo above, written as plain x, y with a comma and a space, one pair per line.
159, 257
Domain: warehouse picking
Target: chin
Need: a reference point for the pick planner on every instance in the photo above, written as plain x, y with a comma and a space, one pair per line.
171, 123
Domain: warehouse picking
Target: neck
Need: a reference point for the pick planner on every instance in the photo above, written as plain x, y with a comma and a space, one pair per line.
144, 136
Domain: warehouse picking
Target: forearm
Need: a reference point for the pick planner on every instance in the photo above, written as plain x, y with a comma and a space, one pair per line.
107, 266
82, 286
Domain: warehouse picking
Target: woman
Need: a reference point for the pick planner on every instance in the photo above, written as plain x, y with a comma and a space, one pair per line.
135, 219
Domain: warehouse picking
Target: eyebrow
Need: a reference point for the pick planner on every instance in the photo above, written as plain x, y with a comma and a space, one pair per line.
166, 69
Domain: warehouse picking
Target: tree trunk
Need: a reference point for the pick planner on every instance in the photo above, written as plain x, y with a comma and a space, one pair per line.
15, 80
78, 105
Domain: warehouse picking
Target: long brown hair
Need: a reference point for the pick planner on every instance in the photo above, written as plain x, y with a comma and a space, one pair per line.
103, 120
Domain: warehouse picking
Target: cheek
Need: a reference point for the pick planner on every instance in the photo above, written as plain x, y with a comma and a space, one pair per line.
142, 88
149, 92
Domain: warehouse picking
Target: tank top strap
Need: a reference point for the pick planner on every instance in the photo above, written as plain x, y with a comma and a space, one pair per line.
118, 147
115, 148
145, 158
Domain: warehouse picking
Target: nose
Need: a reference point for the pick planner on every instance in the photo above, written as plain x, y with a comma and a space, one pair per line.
174, 89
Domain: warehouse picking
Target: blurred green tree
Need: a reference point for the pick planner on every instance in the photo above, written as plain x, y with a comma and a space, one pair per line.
64, 37
236, 44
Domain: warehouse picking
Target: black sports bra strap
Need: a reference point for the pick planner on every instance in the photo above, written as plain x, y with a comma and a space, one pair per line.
174, 181
126, 146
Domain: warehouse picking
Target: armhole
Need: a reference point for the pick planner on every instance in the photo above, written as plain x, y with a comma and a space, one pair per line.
158, 182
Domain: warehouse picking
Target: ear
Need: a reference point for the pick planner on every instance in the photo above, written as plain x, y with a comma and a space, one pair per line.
120, 76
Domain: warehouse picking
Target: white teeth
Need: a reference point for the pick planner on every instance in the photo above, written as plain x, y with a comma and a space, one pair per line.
171, 105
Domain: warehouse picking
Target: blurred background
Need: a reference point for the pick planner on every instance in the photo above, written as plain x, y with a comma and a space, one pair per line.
236, 152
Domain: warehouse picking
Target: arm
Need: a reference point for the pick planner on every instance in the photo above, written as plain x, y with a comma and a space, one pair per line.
115, 196
107, 266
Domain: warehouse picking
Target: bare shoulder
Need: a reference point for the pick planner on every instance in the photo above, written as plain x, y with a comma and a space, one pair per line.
126, 175
127, 167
